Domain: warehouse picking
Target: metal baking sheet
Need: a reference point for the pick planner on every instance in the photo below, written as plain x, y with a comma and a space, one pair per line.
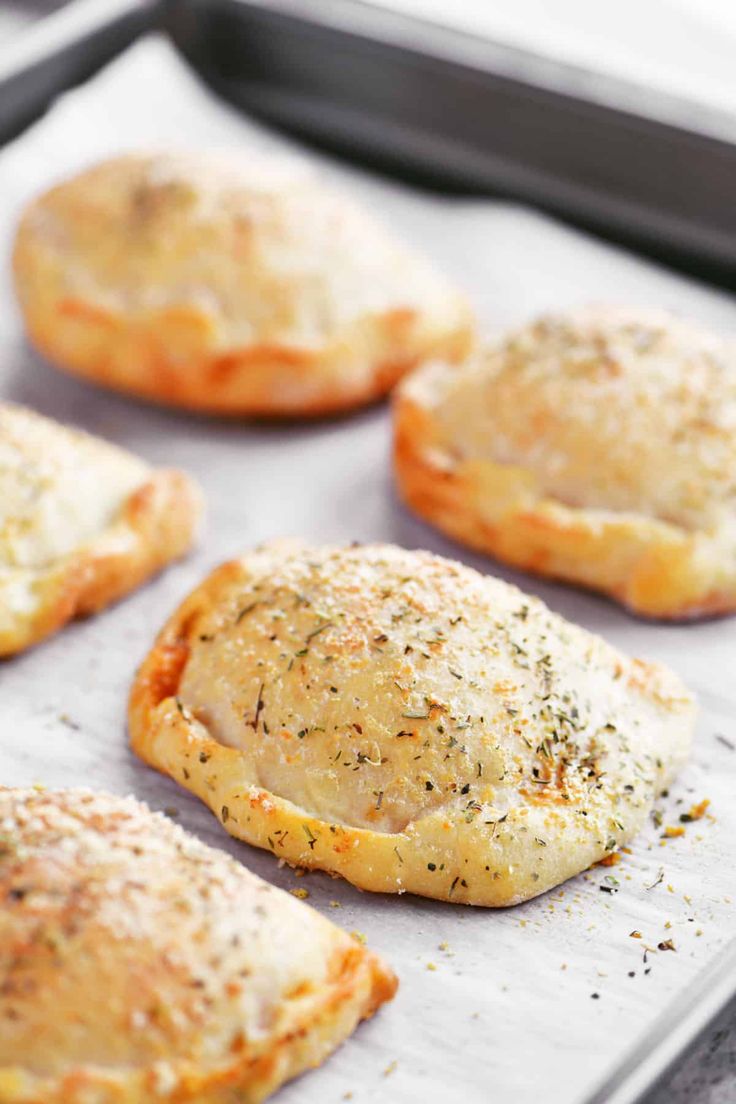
539, 1001
63, 49
632, 162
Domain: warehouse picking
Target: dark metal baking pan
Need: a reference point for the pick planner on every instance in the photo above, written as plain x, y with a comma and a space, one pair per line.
440, 106
62, 50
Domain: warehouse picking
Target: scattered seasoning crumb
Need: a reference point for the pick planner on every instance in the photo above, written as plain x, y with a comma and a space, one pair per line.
696, 812
390, 1068
725, 741
595, 996
302, 894
672, 831
635, 934
431, 966
659, 879
359, 936
666, 945
335, 904
171, 811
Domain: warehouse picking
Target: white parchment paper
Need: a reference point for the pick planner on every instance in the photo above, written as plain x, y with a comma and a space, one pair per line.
493, 1006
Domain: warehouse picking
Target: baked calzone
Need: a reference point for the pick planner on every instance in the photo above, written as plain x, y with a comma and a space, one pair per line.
138, 966
234, 283
596, 446
406, 722
82, 522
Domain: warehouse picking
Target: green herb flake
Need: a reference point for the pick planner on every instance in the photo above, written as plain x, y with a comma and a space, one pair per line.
319, 629
245, 611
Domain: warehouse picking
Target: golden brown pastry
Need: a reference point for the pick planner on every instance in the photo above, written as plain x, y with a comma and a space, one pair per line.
597, 446
236, 284
138, 966
81, 523
406, 722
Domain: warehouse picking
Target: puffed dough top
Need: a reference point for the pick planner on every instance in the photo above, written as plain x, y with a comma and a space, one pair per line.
402, 720
597, 445
81, 523
231, 282
138, 965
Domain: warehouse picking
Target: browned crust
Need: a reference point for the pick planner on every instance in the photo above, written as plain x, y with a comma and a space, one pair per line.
168, 358
156, 524
168, 737
357, 983
362, 984
646, 565
171, 741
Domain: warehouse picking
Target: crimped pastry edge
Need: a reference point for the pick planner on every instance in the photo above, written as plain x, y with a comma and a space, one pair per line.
652, 567
156, 524
175, 355
168, 737
364, 982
